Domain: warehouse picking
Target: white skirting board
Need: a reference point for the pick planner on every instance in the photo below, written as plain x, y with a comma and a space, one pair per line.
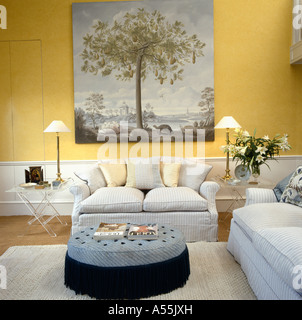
13, 173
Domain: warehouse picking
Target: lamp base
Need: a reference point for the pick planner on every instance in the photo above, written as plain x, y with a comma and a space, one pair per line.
227, 175
59, 178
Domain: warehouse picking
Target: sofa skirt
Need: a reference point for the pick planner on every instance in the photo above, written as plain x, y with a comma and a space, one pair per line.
196, 226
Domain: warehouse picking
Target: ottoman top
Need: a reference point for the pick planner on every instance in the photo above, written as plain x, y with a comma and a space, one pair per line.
123, 252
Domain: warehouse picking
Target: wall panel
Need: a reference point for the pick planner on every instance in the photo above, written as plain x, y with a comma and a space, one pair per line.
6, 121
27, 100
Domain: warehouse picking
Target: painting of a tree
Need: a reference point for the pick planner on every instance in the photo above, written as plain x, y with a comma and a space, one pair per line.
94, 108
155, 53
140, 44
207, 106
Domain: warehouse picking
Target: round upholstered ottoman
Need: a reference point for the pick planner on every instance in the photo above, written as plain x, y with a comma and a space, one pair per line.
126, 269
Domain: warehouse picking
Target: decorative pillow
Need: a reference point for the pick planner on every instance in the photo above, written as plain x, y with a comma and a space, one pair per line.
280, 187
143, 176
293, 191
93, 176
115, 173
170, 173
193, 173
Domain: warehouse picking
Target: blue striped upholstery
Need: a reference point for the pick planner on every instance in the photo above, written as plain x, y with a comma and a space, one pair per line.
256, 217
282, 248
114, 199
174, 199
266, 239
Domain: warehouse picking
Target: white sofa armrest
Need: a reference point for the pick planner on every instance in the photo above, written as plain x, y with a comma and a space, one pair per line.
259, 195
80, 192
208, 190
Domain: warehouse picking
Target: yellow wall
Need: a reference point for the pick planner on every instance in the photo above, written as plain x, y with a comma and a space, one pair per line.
254, 81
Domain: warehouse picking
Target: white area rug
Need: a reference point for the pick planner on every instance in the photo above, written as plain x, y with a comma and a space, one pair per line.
37, 272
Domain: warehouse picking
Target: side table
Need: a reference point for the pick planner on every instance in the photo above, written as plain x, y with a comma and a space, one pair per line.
38, 210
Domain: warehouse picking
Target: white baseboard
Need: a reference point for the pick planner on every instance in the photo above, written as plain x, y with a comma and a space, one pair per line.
13, 173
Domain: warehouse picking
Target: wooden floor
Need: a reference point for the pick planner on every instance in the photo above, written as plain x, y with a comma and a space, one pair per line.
12, 230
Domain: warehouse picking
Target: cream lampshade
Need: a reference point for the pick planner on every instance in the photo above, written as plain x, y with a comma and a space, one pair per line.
227, 123
57, 126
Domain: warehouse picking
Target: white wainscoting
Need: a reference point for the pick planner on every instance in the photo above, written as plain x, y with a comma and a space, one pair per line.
13, 173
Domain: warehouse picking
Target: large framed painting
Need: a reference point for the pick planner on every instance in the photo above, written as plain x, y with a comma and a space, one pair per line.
143, 65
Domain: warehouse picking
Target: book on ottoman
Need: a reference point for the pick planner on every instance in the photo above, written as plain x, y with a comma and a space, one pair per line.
110, 231
143, 231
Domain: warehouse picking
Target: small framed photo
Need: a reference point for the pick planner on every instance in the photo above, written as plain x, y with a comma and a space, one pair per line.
34, 175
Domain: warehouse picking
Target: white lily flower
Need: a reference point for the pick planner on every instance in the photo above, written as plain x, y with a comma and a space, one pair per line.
259, 158
242, 150
261, 150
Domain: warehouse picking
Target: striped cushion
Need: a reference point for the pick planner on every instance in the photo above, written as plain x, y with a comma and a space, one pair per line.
256, 217
282, 249
174, 199
93, 176
114, 199
192, 174
143, 176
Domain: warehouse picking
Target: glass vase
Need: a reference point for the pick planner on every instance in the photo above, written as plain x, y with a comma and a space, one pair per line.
255, 174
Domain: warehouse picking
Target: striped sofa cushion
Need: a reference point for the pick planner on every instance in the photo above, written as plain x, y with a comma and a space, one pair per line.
114, 199
174, 199
282, 249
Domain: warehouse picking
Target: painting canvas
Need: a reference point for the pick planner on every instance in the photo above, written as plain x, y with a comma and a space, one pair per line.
145, 65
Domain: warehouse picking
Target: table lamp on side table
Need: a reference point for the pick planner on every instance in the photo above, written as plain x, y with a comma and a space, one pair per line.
57, 126
227, 123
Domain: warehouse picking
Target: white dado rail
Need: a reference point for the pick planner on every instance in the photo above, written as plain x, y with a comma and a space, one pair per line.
13, 173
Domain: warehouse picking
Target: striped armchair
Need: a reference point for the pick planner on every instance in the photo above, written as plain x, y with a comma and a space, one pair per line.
266, 240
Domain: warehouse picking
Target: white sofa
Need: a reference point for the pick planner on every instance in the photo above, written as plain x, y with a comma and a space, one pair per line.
190, 206
266, 240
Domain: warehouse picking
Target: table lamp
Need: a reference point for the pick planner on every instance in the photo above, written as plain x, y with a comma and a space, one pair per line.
227, 123
57, 126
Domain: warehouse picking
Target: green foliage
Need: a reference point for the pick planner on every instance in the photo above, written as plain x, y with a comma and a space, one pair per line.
163, 48
252, 151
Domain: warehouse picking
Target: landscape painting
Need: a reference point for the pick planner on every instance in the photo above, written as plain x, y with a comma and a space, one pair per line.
143, 65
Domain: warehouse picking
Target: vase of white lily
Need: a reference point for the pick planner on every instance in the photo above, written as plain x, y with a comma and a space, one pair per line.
253, 152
